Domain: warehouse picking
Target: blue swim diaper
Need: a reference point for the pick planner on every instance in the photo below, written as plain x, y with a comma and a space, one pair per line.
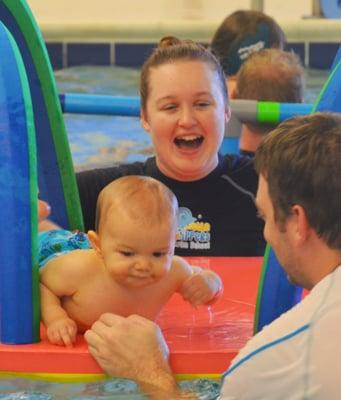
52, 244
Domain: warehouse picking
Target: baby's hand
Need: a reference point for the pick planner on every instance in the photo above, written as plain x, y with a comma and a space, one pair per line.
203, 287
43, 210
62, 332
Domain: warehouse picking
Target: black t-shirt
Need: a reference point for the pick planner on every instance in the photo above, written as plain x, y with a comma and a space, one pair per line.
217, 213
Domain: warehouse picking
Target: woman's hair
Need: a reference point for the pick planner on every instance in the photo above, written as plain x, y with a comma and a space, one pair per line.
171, 50
243, 33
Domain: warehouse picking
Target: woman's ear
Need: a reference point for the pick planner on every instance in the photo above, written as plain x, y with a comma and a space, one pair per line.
95, 242
227, 114
144, 122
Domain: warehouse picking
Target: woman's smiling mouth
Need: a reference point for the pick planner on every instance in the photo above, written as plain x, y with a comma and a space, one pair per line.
189, 142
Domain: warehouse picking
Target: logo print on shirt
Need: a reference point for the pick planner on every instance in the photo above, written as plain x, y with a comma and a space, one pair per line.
192, 233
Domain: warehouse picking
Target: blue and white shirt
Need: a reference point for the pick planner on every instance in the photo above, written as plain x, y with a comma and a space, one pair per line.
298, 356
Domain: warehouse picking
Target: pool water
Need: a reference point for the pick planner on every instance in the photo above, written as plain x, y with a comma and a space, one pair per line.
97, 140
116, 389
103, 140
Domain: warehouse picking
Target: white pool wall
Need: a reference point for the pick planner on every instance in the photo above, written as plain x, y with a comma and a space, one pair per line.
148, 20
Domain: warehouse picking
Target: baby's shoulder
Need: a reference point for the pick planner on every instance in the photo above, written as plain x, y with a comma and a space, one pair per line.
75, 262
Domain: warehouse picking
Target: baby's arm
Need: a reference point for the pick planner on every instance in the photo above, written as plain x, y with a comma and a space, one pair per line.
59, 278
60, 329
201, 286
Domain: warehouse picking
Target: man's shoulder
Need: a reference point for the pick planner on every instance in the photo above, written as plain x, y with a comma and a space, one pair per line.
287, 328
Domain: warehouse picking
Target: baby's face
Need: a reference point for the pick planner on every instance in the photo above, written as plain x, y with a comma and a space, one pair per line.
137, 255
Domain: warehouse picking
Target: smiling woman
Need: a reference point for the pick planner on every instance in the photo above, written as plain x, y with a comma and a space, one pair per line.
181, 117
185, 108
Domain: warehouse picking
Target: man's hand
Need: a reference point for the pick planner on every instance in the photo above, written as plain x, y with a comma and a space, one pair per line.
132, 348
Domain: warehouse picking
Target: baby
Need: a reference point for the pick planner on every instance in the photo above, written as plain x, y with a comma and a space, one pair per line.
126, 267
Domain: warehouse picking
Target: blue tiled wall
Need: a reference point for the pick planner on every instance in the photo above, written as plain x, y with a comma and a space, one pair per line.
131, 54
55, 51
298, 48
320, 55
88, 54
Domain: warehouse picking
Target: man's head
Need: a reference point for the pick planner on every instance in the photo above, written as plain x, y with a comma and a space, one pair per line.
300, 163
270, 75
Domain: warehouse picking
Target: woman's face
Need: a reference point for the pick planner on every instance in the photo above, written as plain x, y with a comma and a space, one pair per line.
185, 116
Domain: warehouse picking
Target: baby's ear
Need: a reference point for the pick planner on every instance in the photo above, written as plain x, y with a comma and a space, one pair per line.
95, 242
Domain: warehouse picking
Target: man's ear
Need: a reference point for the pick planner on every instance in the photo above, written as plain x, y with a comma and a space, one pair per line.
301, 226
143, 120
95, 242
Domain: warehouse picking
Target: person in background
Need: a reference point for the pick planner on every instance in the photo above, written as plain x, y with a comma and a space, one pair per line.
184, 108
241, 34
126, 267
267, 75
297, 356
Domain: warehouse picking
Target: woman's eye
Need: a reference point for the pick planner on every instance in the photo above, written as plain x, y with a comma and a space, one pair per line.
169, 107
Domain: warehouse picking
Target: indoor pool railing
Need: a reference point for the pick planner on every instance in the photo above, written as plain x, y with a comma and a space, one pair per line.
244, 110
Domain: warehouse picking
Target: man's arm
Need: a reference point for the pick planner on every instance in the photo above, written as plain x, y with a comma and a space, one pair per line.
134, 348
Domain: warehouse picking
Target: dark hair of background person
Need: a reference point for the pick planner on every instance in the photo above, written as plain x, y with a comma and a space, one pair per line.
242, 33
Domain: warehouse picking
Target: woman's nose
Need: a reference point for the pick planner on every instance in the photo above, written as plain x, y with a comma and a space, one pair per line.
187, 117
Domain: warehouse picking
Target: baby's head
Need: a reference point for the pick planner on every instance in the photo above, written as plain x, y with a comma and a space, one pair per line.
136, 229
141, 199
